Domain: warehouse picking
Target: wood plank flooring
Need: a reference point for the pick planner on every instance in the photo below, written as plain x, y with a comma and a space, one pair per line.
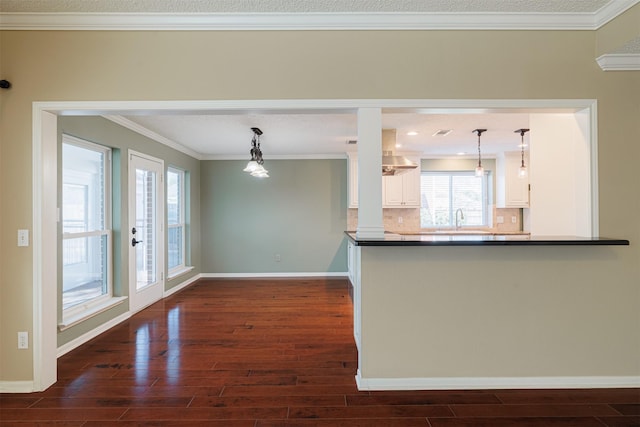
265, 353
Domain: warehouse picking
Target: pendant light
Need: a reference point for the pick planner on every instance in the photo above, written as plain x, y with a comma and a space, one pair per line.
522, 170
479, 168
255, 166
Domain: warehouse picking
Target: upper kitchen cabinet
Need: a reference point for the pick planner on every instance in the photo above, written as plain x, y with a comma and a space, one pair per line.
512, 191
398, 191
402, 191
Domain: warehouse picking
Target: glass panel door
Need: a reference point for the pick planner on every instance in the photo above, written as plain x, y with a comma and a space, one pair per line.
145, 226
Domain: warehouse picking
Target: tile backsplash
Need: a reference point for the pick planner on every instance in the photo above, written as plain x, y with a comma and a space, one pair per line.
408, 220
395, 220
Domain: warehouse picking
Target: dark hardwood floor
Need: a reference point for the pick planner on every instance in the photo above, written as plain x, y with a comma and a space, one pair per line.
271, 353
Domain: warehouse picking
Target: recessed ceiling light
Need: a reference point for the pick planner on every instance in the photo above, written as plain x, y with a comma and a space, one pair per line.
461, 153
412, 133
398, 145
442, 132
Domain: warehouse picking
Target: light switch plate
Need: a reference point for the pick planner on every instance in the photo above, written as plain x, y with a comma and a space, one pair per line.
23, 237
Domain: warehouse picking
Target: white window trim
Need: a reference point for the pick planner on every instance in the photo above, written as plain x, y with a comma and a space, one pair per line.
182, 267
78, 313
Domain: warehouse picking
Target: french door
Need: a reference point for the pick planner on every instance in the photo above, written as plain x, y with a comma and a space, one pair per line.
146, 234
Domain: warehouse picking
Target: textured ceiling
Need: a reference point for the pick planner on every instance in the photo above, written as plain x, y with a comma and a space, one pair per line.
298, 6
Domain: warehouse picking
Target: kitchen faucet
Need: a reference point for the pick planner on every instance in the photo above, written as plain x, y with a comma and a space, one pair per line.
459, 222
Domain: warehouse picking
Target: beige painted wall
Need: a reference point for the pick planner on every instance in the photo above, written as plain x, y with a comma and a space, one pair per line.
155, 65
522, 311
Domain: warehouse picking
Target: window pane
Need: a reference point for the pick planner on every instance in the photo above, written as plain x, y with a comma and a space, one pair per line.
175, 247
467, 195
174, 197
84, 270
83, 189
436, 203
85, 222
443, 193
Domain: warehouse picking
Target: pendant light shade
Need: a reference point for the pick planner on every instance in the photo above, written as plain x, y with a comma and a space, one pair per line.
479, 168
255, 166
522, 170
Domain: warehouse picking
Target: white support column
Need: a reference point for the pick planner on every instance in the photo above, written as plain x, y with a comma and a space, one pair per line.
370, 224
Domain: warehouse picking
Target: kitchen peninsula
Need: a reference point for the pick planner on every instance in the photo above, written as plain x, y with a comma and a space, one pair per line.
483, 311
479, 239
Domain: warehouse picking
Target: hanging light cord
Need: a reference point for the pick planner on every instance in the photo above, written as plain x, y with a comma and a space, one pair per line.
479, 132
522, 132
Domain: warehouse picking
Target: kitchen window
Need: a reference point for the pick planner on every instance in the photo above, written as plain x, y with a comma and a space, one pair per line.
86, 226
176, 185
443, 193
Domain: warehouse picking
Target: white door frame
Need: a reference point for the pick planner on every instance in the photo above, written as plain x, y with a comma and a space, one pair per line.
44, 174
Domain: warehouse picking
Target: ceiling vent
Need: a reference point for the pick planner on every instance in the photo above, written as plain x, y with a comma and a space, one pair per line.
352, 141
443, 132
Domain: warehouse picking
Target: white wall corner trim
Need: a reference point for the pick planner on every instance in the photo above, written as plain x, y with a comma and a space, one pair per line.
341, 275
182, 285
75, 343
16, 387
619, 62
313, 21
476, 383
122, 121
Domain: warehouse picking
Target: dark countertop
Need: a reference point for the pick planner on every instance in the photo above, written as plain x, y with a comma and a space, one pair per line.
458, 239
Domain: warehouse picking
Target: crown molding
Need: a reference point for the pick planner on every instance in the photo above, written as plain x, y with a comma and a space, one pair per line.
619, 62
152, 135
313, 21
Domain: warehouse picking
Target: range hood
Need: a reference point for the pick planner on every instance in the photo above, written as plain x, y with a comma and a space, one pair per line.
392, 164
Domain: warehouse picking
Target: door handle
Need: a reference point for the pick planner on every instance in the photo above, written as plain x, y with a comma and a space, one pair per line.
135, 242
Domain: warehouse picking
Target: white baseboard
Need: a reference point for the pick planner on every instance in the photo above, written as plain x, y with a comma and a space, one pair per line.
16, 387
66, 348
272, 275
181, 285
476, 383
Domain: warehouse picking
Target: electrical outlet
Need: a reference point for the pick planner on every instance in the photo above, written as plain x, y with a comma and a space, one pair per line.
277, 257
400, 220
23, 237
23, 340
500, 219
514, 219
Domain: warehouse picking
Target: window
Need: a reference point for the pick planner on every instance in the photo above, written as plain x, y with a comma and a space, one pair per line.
443, 193
176, 220
86, 225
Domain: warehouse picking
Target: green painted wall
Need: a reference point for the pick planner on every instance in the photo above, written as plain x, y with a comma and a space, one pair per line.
104, 132
299, 213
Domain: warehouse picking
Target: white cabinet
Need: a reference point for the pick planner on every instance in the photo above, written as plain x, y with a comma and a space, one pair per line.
398, 191
511, 190
402, 191
352, 174
351, 250
353, 254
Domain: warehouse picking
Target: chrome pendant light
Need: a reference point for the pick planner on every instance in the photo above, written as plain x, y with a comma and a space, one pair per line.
479, 168
255, 166
522, 170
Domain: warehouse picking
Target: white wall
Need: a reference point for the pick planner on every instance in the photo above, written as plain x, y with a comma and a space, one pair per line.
559, 175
